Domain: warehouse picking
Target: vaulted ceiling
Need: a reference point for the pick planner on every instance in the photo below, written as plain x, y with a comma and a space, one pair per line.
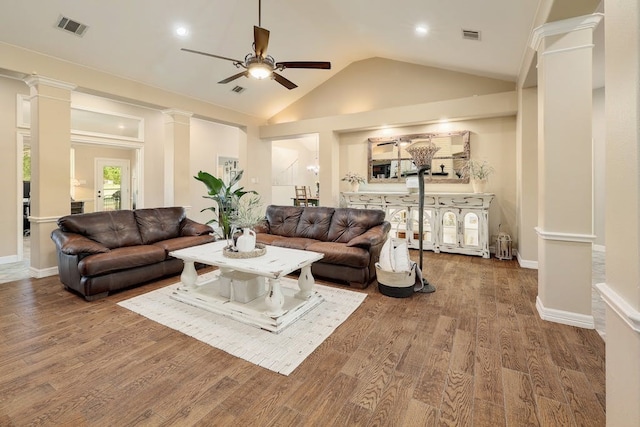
138, 40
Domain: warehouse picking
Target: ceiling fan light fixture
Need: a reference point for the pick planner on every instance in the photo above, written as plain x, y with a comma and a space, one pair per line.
259, 67
260, 70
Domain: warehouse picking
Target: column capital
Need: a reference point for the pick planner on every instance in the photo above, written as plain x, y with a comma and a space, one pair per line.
177, 112
564, 26
34, 80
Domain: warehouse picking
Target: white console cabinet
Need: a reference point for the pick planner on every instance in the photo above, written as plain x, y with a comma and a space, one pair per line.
453, 222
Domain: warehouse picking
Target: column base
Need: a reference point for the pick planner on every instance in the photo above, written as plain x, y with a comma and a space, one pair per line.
564, 317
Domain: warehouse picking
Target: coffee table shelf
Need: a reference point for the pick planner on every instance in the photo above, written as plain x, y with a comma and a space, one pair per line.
277, 309
206, 295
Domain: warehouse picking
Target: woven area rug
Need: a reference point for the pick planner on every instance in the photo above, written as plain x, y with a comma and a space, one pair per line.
280, 353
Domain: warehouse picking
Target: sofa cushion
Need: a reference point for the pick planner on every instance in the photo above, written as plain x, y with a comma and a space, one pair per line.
183, 242
339, 253
120, 259
314, 223
300, 243
268, 239
348, 223
283, 220
159, 223
113, 229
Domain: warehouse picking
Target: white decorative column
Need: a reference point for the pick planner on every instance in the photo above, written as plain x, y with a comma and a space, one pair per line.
621, 291
177, 126
565, 223
50, 167
329, 159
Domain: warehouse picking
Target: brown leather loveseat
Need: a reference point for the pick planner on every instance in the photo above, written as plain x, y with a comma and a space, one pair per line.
350, 239
102, 252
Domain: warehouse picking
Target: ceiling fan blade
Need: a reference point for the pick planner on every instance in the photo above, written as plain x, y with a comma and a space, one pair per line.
284, 82
235, 76
260, 41
304, 64
212, 55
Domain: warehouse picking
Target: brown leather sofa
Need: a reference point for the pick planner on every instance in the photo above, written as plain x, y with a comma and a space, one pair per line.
102, 252
350, 239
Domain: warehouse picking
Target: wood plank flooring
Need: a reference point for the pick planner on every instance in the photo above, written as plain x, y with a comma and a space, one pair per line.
474, 353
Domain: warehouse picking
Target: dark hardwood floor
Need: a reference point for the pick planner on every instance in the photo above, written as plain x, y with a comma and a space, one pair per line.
474, 353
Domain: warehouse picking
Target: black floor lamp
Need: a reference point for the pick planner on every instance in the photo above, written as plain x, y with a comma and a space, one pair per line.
422, 153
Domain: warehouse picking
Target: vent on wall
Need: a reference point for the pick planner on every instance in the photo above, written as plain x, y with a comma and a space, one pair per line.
71, 26
238, 89
470, 34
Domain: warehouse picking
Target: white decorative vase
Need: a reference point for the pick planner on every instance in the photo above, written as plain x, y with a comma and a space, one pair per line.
478, 185
355, 186
247, 241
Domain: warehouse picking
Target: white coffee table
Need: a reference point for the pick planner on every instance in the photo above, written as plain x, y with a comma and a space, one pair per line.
278, 309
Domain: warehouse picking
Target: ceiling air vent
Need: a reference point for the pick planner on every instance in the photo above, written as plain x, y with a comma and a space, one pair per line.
470, 35
238, 89
71, 26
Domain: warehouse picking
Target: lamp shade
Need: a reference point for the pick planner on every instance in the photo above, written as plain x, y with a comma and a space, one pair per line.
422, 152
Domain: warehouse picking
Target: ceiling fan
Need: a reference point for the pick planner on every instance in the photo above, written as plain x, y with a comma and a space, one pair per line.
258, 64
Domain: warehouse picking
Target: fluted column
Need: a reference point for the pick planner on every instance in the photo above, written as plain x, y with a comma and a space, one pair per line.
565, 223
50, 167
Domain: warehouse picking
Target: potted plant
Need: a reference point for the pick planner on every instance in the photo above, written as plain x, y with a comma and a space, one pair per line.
479, 172
248, 213
354, 179
226, 198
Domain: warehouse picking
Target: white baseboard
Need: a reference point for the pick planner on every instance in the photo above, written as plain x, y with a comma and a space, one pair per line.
8, 259
565, 317
44, 272
526, 263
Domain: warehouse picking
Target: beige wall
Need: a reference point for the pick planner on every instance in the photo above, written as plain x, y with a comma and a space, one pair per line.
377, 83
492, 139
527, 177
208, 142
85, 156
11, 188
622, 290
599, 168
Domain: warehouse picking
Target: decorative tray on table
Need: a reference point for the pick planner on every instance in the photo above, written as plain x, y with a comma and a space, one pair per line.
232, 252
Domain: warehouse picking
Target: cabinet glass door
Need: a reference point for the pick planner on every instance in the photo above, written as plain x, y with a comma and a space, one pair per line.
427, 229
398, 219
449, 228
471, 229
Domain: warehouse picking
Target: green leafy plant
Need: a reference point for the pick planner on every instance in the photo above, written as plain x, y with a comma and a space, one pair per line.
480, 170
249, 211
226, 198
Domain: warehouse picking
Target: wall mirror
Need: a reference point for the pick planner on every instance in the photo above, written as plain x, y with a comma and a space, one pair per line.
389, 161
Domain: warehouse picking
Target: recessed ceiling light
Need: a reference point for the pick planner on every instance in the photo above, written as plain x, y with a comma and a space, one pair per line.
182, 31
422, 30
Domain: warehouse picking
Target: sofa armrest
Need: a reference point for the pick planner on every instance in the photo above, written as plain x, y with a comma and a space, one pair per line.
374, 236
262, 227
190, 227
76, 244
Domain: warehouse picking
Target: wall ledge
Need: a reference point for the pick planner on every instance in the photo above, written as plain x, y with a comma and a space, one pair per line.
620, 306
565, 237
